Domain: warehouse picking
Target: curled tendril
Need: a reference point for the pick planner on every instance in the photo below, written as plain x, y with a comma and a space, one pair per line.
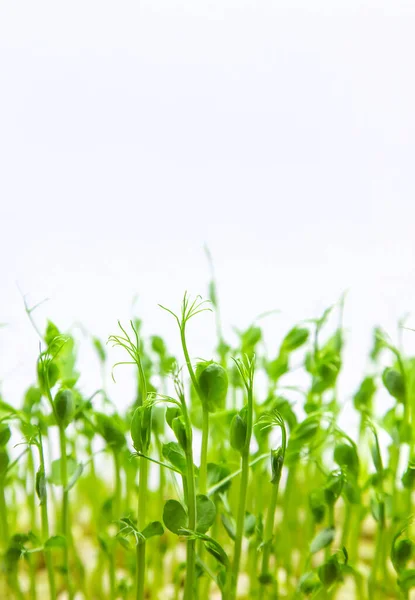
189, 309
132, 346
154, 398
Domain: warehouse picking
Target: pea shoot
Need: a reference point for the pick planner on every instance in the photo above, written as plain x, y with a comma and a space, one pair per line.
302, 490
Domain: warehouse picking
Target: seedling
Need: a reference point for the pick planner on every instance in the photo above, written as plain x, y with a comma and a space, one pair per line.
288, 501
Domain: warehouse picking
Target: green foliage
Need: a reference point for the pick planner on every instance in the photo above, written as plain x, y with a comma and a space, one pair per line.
330, 572
205, 513
5, 434
174, 516
111, 429
262, 480
322, 539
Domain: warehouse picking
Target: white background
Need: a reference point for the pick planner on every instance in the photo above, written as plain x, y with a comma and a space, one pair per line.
131, 133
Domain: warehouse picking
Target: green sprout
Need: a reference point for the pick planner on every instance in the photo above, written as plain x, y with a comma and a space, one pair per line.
303, 488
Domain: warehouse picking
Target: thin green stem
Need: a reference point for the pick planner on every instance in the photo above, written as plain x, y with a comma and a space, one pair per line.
191, 544
268, 535
330, 524
289, 517
240, 520
31, 495
190, 496
65, 508
346, 523
203, 452
4, 525
205, 425
142, 510
111, 572
45, 527
117, 496
372, 584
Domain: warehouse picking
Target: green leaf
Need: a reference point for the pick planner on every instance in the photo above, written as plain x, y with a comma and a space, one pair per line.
402, 552
305, 431
154, 528
51, 332
249, 339
377, 458
363, 399
377, 508
249, 524
408, 478
104, 545
284, 407
123, 542
29, 431
333, 487
229, 526
130, 524
351, 491
323, 539
406, 580
100, 349
111, 429
308, 583
295, 338
171, 413
56, 541
174, 453
52, 371
174, 516
158, 346
179, 428
11, 558
213, 547
346, 457
75, 476
4, 461
266, 579
278, 367
330, 572
215, 474
317, 505
5, 434
55, 476
206, 513
7, 409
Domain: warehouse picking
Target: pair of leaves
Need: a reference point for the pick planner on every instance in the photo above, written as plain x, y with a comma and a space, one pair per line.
176, 519
151, 530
